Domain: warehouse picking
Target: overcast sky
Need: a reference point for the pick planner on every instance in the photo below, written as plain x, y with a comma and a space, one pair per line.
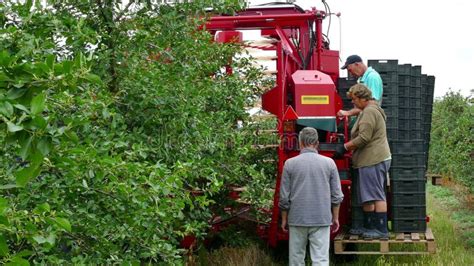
431, 33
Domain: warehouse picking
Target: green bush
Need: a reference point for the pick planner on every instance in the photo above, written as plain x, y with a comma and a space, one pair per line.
119, 128
452, 142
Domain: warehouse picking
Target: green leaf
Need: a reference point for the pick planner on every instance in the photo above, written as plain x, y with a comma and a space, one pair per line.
51, 239
40, 122
38, 103
44, 146
17, 261
93, 78
21, 107
39, 239
15, 93
4, 250
72, 135
24, 253
44, 207
13, 128
63, 223
4, 58
25, 145
50, 61
3, 205
6, 109
8, 186
4, 77
26, 174
67, 65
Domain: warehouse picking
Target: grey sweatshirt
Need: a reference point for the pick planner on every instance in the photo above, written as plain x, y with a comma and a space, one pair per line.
310, 185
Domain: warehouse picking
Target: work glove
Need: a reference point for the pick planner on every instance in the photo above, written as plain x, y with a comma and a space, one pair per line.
340, 150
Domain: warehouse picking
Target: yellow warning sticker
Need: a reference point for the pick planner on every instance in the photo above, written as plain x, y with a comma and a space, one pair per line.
314, 99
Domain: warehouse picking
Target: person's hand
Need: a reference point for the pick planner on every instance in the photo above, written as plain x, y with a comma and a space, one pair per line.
342, 113
340, 150
283, 225
334, 225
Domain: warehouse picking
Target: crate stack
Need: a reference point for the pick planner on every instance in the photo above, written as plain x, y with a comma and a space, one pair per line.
407, 99
427, 94
344, 84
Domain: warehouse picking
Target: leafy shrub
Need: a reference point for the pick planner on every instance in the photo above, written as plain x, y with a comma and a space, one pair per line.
120, 165
452, 144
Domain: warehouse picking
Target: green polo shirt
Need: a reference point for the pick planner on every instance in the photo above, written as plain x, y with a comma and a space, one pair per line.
373, 81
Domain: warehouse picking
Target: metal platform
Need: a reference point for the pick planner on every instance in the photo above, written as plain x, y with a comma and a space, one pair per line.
386, 247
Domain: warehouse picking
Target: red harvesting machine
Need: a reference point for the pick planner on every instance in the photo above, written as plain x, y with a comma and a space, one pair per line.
305, 91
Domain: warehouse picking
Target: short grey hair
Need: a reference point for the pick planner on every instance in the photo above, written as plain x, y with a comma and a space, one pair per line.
308, 136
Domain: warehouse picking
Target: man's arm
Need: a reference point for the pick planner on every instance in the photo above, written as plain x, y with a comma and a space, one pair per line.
335, 217
336, 196
284, 220
284, 202
352, 112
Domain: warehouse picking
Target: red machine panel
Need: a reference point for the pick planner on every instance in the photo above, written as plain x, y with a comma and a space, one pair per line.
315, 94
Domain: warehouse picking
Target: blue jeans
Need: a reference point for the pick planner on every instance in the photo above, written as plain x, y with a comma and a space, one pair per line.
318, 237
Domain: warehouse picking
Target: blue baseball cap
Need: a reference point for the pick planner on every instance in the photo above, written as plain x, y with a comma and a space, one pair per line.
351, 60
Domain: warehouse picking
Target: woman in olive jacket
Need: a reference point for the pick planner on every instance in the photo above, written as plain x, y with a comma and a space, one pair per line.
371, 157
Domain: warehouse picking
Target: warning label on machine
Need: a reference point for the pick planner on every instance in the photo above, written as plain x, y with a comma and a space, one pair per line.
314, 99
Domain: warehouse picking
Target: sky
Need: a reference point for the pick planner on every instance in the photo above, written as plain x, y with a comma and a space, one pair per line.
431, 33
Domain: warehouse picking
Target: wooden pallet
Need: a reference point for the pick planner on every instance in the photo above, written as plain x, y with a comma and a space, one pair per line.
424, 239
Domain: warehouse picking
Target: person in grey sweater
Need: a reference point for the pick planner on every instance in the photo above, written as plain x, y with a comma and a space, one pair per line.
310, 196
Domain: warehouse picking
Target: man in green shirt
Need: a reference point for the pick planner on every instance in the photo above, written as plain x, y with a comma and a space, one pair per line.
367, 76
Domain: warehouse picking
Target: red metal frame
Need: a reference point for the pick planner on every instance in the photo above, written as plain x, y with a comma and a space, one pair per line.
283, 23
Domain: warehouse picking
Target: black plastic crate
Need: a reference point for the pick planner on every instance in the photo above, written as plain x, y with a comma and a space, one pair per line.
408, 199
415, 71
406, 146
384, 65
404, 69
392, 122
427, 99
427, 108
408, 91
392, 133
403, 185
408, 212
409, 124
408, 160
346, 83
407, 173
390, 88
409, 134
431, 80
409, 225
404, 80
426, 119
390, 77
409, 102
409, 113
389, 100
391, 112
415, 81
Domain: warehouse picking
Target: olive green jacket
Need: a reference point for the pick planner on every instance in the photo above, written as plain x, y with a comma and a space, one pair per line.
369, 135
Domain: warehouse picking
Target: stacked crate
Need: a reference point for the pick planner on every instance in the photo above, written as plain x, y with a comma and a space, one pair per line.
427, 93
344, 84
407, 99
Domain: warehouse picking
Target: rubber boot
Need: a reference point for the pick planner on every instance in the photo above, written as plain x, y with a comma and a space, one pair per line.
379, 230
359, 230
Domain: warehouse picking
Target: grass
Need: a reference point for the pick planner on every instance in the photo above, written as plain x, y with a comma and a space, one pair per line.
452, 224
